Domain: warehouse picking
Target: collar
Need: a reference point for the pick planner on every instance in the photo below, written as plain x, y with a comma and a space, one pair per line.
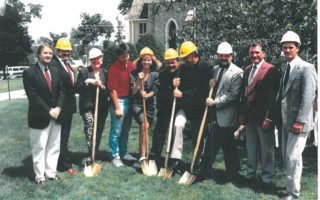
42, 67
294, 61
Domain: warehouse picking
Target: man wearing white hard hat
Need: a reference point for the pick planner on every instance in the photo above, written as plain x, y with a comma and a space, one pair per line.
226, 79
296, 96
89, 79
62, 62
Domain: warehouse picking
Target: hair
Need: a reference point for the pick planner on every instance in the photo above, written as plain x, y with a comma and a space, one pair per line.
256, 44
43, 46
139, 65
122, 49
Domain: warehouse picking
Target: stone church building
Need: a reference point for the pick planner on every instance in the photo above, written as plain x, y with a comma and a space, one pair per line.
164, 25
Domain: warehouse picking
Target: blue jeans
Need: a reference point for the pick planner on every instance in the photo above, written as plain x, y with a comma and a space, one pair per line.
120, 127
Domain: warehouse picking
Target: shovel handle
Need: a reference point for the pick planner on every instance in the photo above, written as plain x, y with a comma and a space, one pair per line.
200, 133
95, 124
170, 132
145, 120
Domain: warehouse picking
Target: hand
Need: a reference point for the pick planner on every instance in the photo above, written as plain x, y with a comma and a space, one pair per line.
99, 84
265, 124
241, 119
297, 128
176, 82
209, 102
118, 113
315, 106
177, 93
90, 81
212, 82
140, 76
144, 94
55, 112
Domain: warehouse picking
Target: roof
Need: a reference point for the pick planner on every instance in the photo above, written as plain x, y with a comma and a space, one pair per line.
136, 9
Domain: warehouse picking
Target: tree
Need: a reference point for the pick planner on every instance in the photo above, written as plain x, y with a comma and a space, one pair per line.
242, 22
15, 41
90, 29
125, 6
119, 35
148, 40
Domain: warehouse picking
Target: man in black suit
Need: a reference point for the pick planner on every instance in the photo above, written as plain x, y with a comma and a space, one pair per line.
45, 93
61, 62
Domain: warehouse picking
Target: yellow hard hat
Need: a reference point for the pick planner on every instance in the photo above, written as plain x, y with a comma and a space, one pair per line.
145, 51
171, 54
187, 48
64, 44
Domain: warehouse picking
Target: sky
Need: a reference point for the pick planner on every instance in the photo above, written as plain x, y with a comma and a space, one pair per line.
60, 16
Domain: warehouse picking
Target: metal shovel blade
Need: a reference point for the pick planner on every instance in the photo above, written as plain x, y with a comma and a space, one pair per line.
149, 167
185, 178
92, 170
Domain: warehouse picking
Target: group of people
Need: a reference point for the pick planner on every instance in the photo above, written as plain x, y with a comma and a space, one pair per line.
258, 98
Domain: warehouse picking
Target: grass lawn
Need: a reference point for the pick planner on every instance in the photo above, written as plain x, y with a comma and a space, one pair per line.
15, 84
16, 178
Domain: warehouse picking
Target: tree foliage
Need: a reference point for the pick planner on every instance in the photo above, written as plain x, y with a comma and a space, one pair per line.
148, 40
90, 30
15, 41
243, 22
125, 6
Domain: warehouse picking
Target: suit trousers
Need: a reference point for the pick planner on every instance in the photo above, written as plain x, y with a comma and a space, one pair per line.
259, 141
292, 148
45, 146
159, 134
64, 162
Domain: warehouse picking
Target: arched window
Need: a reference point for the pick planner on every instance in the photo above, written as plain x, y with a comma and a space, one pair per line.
171, 34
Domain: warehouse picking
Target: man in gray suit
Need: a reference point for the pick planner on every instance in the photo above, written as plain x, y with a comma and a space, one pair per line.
227, 78
296, 96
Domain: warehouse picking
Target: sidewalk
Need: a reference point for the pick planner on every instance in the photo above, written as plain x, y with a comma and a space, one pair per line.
17, 94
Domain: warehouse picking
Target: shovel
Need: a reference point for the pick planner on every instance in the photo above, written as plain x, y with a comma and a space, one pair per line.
166, 172
188, 178
94, 168
149, 167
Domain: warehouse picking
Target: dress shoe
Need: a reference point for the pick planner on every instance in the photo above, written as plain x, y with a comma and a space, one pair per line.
176, 165
57, 178
71, 171
117, 162
289, 197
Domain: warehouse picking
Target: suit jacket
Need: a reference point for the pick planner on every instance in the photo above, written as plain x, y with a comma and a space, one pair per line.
87, 93
259, 102
70, 105
227, 97
41, 100
298, 97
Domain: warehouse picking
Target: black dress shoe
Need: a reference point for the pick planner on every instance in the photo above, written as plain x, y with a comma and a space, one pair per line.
176, 165
57, 178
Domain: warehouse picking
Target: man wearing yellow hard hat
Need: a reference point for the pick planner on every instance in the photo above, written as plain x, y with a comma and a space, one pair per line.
62, 61
164, 101
192, 89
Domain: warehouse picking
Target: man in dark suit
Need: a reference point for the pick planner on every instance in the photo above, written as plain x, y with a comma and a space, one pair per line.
45, 93
61, 62
260, 82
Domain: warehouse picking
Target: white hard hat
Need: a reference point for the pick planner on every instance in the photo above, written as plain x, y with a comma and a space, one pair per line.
290, 36
94, 52
224, 48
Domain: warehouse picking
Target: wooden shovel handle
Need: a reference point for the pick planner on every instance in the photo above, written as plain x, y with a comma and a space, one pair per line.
95, 124
145, 120
200, 133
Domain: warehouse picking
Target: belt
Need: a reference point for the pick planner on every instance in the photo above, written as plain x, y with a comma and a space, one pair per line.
124, 97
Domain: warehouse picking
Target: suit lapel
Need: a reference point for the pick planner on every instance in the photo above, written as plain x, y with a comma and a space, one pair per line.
224, 77
259, 76
42, 78
292, 75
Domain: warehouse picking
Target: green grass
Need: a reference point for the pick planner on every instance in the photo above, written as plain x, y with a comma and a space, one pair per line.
14, 84
16, 178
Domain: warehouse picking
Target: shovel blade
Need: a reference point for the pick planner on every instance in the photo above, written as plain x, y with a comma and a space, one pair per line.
153, 170
92, 170
185, 178
162, 172
145, 167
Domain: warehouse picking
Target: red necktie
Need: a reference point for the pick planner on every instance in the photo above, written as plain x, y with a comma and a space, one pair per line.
47, 75
69, 72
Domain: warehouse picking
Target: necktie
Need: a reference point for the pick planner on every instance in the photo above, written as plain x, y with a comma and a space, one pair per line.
215, 89
286, 77
69, 72
251, 78
47, 75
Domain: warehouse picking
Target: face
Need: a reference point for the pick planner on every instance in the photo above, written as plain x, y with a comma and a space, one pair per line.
124, 59
45, 56
146, 61
64, 54
256, 54
172, 65
96, 62
290, 50
225, 59
189, 58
